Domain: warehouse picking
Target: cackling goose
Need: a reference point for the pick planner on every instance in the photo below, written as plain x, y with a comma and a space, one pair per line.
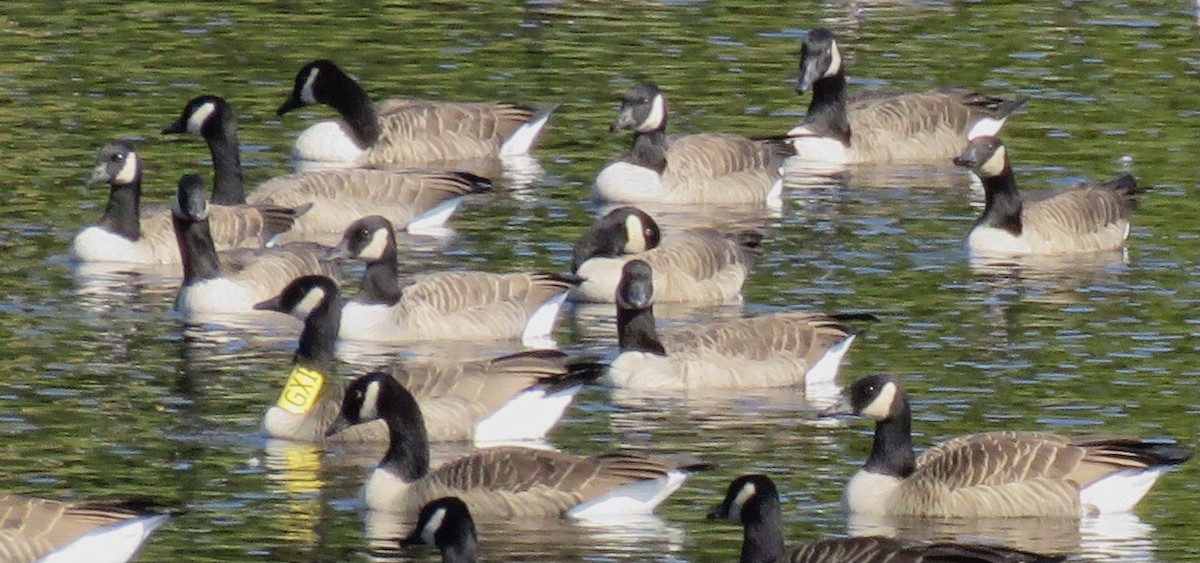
443, 305
882, 128
235, 281
704, 168
404, 133
51, 531
999, 474
1079, 218
754, 501
414, 199
694, 265
503, 481
783, 349
509, 398
133, 233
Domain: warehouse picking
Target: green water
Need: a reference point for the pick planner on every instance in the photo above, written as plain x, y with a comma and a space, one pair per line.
106, 394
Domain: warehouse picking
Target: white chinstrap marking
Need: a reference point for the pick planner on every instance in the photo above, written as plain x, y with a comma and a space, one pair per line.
199, 117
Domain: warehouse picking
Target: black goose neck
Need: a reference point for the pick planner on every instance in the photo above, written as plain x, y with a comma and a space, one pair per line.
122, 213
407, 455
318, 339
762, 533
826, 113
892, 451
636, 331
357, 110
649, 150
228, 186
1002, 202
381, 279
196, 249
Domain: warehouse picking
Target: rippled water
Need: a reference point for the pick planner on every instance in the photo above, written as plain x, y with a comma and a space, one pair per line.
106, 394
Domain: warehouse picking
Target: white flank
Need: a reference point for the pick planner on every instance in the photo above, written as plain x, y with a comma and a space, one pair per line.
326, 145
521, 141
431, 221
986, 127
775, 193
383, 491
826, 369
278, 423
868, 493
990, 240
814, 148
114, 544
636, 498
96, 244
197, 118
368, 322
1120, 491
528, 416
601, 276
219, 295
622, 182
541, 322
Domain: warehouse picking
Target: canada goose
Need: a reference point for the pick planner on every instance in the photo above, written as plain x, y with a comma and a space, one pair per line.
415, 199
776, 350
404, 133
442, 305
51, 531
503, 481
1079, 218
694, 265
130, 232
447, 524
711, 168
881, 128
234, 282
993, 474
754, 501
516, 397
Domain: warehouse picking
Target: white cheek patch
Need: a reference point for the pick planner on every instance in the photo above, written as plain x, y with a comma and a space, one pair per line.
311, 299
433, 525
881, 407
370, 406
129, 170
197, 119
635, 240
374, 249
658, 115
735, 508
306, 91
835, 61
995, 164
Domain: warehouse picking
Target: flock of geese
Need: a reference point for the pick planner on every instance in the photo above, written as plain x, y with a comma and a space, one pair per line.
408, 164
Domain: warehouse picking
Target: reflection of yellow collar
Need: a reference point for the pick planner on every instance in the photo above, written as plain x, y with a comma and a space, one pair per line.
301, 390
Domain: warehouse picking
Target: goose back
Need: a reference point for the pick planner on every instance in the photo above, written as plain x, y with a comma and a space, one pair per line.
34, 528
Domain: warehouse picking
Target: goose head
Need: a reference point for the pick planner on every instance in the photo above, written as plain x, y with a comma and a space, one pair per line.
819, 58
117, 163
447, 524
314, 84
624, 230
746, 498
368, 239
985, 156
302, 296
202, 116
636, 289
877, 397
643, 109
191, 200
